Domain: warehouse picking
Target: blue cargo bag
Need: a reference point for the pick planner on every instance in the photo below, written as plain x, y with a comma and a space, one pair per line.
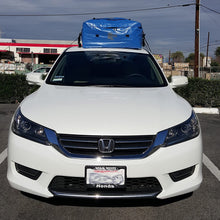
112, 33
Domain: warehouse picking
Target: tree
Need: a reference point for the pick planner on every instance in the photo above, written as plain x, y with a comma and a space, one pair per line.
191, 57
217, 51
217, 54
177, 57
202, 55
215, 66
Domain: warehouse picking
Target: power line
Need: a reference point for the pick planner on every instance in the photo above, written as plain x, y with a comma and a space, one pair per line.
211, 16
96, 13
204, 44
210, 45
210, 9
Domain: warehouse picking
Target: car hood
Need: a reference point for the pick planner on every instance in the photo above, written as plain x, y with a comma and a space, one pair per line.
105, 110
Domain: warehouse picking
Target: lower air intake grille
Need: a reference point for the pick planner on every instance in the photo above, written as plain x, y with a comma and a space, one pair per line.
77, 184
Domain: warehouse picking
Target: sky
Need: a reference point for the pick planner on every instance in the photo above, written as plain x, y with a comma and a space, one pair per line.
169, 29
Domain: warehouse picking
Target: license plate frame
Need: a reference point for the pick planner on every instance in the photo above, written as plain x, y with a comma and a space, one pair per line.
105, 177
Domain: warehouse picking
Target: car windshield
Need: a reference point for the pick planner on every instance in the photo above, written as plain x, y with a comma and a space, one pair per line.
42, 70
106, 68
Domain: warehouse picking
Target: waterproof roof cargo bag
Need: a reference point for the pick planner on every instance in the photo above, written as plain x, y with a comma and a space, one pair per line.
112, 33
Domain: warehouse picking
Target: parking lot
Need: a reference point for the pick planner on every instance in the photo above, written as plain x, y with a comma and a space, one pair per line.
202, 204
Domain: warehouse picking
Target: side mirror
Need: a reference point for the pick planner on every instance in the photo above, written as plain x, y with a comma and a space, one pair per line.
178, 81
40, 82
35, 79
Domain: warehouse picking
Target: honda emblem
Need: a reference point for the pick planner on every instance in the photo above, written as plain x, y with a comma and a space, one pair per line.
106, 145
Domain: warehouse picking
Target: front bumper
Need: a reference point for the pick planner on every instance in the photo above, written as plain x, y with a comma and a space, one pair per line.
52, 163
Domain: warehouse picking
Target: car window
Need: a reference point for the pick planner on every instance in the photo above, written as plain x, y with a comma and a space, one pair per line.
103, 68
40, 70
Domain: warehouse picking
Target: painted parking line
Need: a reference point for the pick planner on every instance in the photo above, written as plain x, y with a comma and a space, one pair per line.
214, 111
211, 166
206, 161
3, 156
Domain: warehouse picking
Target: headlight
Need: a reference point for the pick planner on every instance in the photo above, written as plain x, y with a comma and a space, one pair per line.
28, 129
183, 132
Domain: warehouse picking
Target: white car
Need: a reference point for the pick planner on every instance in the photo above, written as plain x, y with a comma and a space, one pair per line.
35, 77
105, 123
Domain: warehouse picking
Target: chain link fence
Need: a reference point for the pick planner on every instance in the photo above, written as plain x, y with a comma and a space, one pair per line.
19, 68
204, 73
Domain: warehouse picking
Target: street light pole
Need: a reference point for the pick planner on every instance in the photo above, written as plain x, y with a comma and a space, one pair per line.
197, 55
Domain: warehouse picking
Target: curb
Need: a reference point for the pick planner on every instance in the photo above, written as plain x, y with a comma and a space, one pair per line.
207, 110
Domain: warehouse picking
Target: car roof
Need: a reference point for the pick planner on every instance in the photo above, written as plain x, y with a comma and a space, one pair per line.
77, 49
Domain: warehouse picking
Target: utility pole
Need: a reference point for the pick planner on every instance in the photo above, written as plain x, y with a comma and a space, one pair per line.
207, 51
197, 55
169, 57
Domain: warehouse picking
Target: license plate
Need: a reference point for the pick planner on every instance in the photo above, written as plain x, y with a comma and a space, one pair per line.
105, 177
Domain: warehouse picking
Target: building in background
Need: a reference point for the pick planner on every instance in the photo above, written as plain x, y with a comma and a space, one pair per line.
32, 51
209, 60
159, 58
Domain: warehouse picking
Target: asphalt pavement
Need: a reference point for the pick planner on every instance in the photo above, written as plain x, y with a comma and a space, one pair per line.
202, 204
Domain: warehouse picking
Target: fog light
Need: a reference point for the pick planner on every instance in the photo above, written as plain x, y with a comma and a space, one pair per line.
182, 174
28, 172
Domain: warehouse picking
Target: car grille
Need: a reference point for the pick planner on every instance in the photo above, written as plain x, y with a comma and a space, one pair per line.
73, 185
87, 146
